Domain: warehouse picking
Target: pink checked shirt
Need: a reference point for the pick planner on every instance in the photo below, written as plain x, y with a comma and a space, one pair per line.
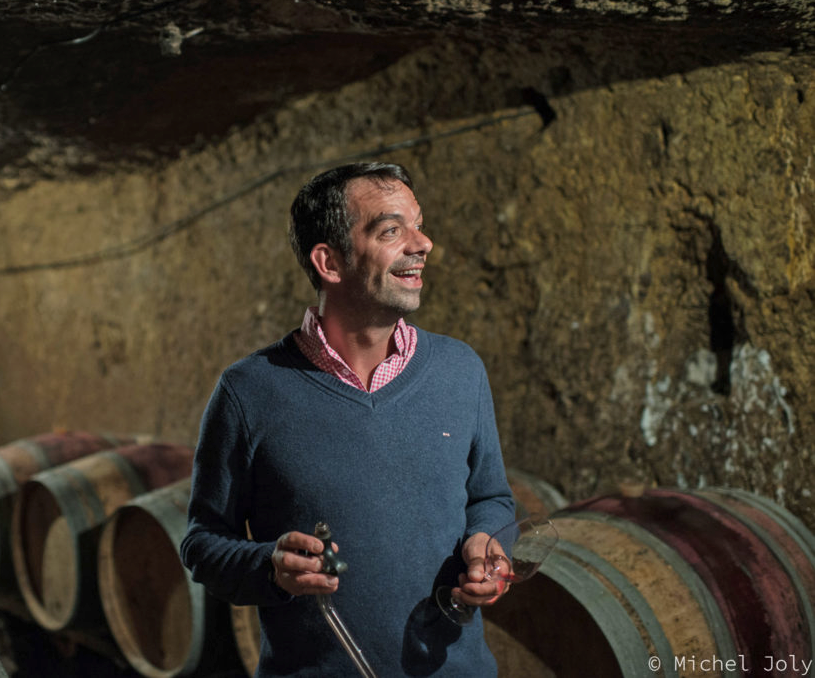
312, 343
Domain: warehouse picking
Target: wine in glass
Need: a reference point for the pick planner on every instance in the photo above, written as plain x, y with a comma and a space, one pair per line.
514, 553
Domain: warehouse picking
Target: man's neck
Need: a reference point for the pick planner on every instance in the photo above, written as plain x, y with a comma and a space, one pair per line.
363, 346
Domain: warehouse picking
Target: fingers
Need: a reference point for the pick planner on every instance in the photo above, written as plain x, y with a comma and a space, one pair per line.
479, 593
294, 541
305, 584
297, 565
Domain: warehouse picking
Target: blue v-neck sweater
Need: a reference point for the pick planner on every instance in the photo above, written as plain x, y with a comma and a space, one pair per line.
402, 476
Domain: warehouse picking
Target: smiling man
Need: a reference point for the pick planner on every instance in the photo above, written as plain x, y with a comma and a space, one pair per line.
359, 419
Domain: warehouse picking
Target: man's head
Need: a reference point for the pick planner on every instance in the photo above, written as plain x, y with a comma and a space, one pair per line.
320, 214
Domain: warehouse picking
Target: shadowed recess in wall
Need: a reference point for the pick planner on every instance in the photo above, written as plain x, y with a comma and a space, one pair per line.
86, 85
724, 315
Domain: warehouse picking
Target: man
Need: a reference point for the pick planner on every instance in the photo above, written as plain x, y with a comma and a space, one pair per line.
382, 430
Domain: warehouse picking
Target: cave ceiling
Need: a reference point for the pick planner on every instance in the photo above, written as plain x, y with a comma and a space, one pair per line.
86, 84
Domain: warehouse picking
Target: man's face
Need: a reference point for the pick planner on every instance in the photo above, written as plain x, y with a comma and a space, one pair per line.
389, 248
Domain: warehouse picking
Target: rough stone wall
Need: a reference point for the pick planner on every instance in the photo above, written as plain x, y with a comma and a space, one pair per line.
633, 259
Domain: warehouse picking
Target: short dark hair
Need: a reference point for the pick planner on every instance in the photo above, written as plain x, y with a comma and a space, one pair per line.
319, 213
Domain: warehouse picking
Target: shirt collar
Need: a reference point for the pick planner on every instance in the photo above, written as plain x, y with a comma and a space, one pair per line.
312, 331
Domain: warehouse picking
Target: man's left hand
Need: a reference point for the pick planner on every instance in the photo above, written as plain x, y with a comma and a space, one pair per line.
472, 588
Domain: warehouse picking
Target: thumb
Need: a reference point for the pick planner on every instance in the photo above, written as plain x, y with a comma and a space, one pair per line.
475, 569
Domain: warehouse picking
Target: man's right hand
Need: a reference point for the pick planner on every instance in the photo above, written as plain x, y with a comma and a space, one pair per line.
297, 565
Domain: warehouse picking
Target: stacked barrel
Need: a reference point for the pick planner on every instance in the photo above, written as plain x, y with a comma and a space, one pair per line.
21, 460
662, 582
675, 583
89, 532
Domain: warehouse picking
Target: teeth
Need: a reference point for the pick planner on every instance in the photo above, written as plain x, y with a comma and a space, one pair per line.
412, 271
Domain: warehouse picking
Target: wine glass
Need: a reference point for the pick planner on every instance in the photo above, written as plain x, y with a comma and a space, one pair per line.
514, 553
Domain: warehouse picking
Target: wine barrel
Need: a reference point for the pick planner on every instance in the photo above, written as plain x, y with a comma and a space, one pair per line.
164, 623
23, 458
535, 497
58, 517
714, 583
246, 629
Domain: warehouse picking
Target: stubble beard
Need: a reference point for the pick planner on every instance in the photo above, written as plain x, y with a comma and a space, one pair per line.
382, 303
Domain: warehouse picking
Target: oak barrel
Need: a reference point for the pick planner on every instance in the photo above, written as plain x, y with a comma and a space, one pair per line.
164, 623
535, 497
21, 459
57, 520
246, 629
671, 583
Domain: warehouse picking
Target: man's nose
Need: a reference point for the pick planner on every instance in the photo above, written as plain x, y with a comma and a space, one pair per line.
420, 243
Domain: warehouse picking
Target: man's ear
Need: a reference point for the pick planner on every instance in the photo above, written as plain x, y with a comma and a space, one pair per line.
327, 261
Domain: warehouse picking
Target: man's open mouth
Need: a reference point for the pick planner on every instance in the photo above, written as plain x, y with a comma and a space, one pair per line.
408, 273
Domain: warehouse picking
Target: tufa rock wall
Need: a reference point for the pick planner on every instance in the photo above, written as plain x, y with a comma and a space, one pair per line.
632, 258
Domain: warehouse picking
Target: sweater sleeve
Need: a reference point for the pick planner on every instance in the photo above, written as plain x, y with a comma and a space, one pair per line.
215, 548
490, 505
